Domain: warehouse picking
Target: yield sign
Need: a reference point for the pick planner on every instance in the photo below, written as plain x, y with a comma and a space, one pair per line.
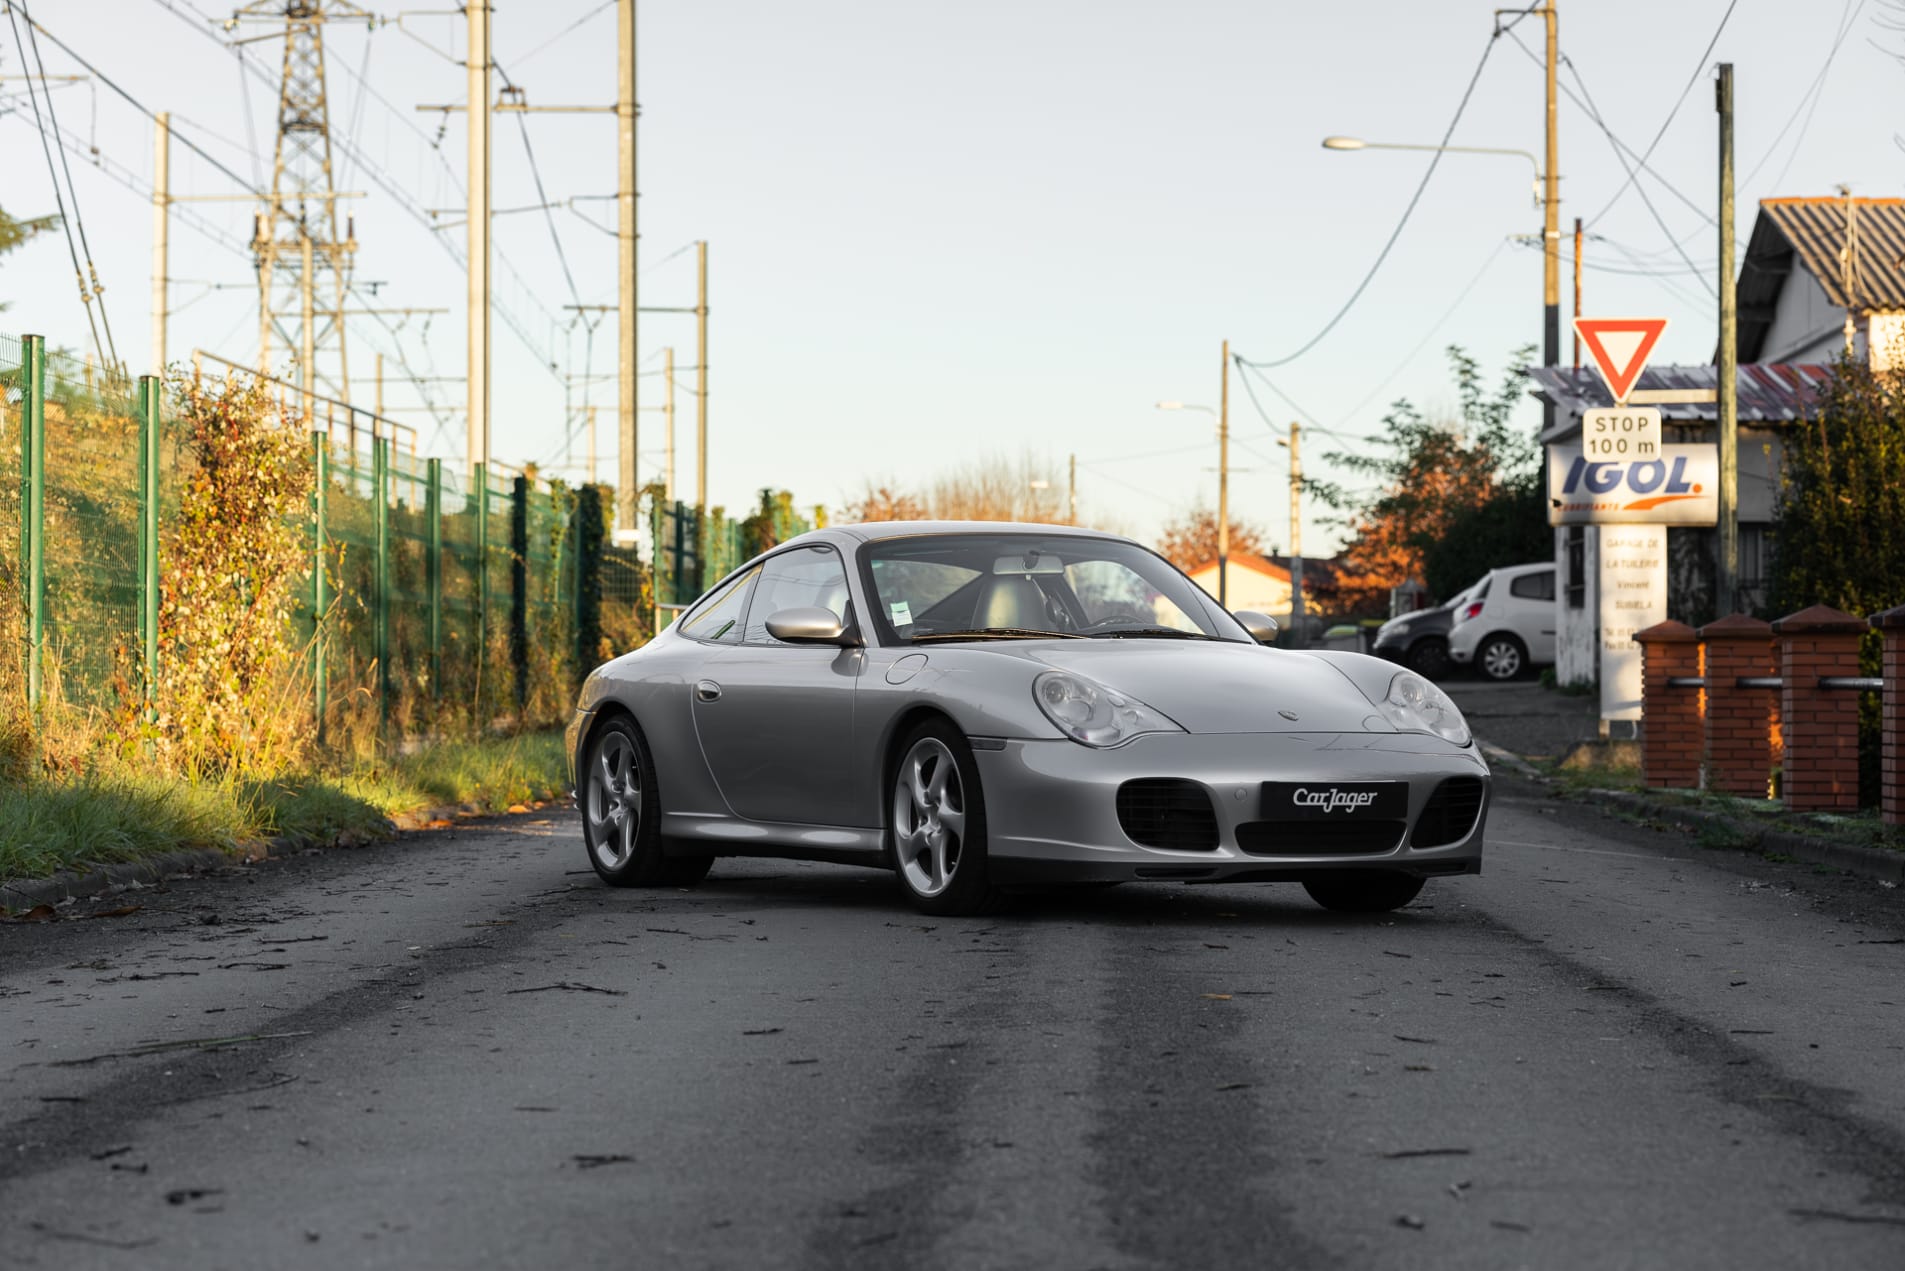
1620, 347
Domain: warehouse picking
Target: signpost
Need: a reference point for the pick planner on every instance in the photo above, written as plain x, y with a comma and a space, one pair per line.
1625, 478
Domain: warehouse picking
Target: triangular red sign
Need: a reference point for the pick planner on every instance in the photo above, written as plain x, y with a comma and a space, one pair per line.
1620, 347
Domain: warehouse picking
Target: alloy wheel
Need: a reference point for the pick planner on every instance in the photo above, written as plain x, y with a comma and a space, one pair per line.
1501, 660
929, 816
614, 801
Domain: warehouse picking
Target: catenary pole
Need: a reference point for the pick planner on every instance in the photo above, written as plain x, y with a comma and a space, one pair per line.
478, 229
1550, 211
1726, 585
307, 340
701, 375
1578, 239
626, 241
668, 416
161, 223
1297, 604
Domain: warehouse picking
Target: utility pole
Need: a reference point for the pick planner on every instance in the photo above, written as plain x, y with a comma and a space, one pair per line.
1578, 237
161, 222
478, 230
1223, 484
303, 201
668, 414
380, 386
1551, 206
701, 375
625, 236
1072, 487
1297, 607
1726, 585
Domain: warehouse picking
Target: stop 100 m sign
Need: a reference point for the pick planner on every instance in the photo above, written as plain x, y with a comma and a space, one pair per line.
1625, 432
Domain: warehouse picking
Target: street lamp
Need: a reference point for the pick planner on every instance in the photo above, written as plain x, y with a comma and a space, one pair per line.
1223, 478
1357, 143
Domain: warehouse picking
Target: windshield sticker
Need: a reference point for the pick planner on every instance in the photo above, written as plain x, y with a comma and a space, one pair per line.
902, 613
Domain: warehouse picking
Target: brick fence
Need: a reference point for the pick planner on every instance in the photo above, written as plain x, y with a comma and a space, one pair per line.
1724, 706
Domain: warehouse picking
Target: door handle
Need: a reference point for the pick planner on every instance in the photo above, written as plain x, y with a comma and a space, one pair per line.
707, 691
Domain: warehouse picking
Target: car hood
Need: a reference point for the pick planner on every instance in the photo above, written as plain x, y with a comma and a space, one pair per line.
1218, 687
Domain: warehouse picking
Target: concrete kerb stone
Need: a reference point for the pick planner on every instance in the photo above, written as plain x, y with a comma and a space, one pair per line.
24, 893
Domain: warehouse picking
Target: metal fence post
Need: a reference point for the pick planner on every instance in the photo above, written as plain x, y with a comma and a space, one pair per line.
521, 491
433, 570
320, 592
150, 399
380, 481
33, 511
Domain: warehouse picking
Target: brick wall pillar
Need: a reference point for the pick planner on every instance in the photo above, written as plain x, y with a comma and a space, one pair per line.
1671, 728
1739, 720
1820, 725
1891, 625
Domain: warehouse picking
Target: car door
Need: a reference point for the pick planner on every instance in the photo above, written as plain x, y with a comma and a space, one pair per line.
776, 720
1534, 617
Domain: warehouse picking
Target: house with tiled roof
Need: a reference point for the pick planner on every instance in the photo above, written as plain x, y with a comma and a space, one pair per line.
1823, 276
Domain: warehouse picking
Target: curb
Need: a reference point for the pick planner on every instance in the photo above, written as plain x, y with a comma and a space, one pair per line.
69, 885
1872, 862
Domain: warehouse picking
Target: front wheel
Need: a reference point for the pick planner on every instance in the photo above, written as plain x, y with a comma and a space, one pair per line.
936, 823
1363, 891
1429, 658
621, 822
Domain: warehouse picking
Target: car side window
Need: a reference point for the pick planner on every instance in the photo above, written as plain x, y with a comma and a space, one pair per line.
804, 578
718, 618
1535, 586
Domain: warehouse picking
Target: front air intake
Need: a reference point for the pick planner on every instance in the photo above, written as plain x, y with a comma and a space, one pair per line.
1168, 812
1450, 813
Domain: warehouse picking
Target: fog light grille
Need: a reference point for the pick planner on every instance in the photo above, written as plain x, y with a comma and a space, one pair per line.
1318, 837
1168, 812
1450, 813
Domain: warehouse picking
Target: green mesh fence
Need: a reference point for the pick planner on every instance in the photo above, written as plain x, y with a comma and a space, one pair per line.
12, 546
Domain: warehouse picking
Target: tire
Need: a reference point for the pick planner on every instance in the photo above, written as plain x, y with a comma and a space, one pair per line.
621, 828
1429, 658
1363, 891
1501, 657
936, 823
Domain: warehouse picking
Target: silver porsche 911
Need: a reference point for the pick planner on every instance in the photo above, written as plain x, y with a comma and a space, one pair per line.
978, 706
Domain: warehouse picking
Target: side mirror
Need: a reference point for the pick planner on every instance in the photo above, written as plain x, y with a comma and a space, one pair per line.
808, 626
1261, 626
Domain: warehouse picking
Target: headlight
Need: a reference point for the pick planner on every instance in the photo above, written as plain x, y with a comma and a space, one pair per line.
1093, 715
1416, 706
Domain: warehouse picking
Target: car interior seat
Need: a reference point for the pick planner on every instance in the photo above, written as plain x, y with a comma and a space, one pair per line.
1012, 600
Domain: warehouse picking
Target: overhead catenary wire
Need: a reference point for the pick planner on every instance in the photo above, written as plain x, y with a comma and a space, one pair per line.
1408, 211
1698, 67
1848, 18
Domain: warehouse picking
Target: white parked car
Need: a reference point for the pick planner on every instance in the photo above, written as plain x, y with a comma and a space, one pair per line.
1504, 627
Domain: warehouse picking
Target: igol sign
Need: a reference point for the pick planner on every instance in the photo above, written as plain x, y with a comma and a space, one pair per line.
1678, 486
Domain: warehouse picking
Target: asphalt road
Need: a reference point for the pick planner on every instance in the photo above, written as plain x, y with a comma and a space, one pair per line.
1613, 1049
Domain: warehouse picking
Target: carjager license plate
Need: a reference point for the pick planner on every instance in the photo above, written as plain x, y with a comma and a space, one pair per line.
1335, 800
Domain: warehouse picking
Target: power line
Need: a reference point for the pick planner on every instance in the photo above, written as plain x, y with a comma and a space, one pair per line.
606, 4
1680, 101
1428, 335
1408, 211
1815, 92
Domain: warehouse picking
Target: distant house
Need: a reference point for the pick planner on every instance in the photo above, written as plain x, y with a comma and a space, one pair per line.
1252, 583
1810, 263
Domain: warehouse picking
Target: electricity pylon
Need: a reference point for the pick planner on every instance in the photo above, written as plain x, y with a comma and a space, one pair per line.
304, 264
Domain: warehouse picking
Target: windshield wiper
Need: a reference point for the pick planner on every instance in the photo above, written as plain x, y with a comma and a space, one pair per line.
1153, 633
999, 633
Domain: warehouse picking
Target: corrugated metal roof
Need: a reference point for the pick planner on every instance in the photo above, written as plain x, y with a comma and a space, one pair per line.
1769, 392
1816, 228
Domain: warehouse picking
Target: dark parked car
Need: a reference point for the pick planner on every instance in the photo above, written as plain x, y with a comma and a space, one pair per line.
1420, 640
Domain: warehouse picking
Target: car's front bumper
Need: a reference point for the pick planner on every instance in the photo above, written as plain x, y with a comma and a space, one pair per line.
1052, 815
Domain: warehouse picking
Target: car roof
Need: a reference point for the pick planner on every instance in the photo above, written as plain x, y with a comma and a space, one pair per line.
876, 531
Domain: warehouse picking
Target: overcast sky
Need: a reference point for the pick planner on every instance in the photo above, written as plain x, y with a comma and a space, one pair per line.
945, 231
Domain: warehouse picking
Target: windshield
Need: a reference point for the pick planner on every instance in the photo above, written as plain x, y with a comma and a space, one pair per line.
1028, 586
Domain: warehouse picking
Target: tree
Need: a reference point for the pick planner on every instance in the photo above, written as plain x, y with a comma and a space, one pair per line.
1839, 527
883, 503
16, 233
1452, 497
990, 489
1191, 540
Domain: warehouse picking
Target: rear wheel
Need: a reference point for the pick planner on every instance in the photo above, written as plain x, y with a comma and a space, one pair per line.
936, 819
621, 823
1363, 891
1501, 657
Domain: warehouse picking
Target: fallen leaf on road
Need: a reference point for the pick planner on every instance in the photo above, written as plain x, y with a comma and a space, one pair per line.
1413, 1152
1890, 1220
1508, 1226
39, 913
1420, 1041
1234, 1085
586, 1161
1411, 1221
1391, 953
759, 1032
120, 912
181, 1195
1215, 997
570, 986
